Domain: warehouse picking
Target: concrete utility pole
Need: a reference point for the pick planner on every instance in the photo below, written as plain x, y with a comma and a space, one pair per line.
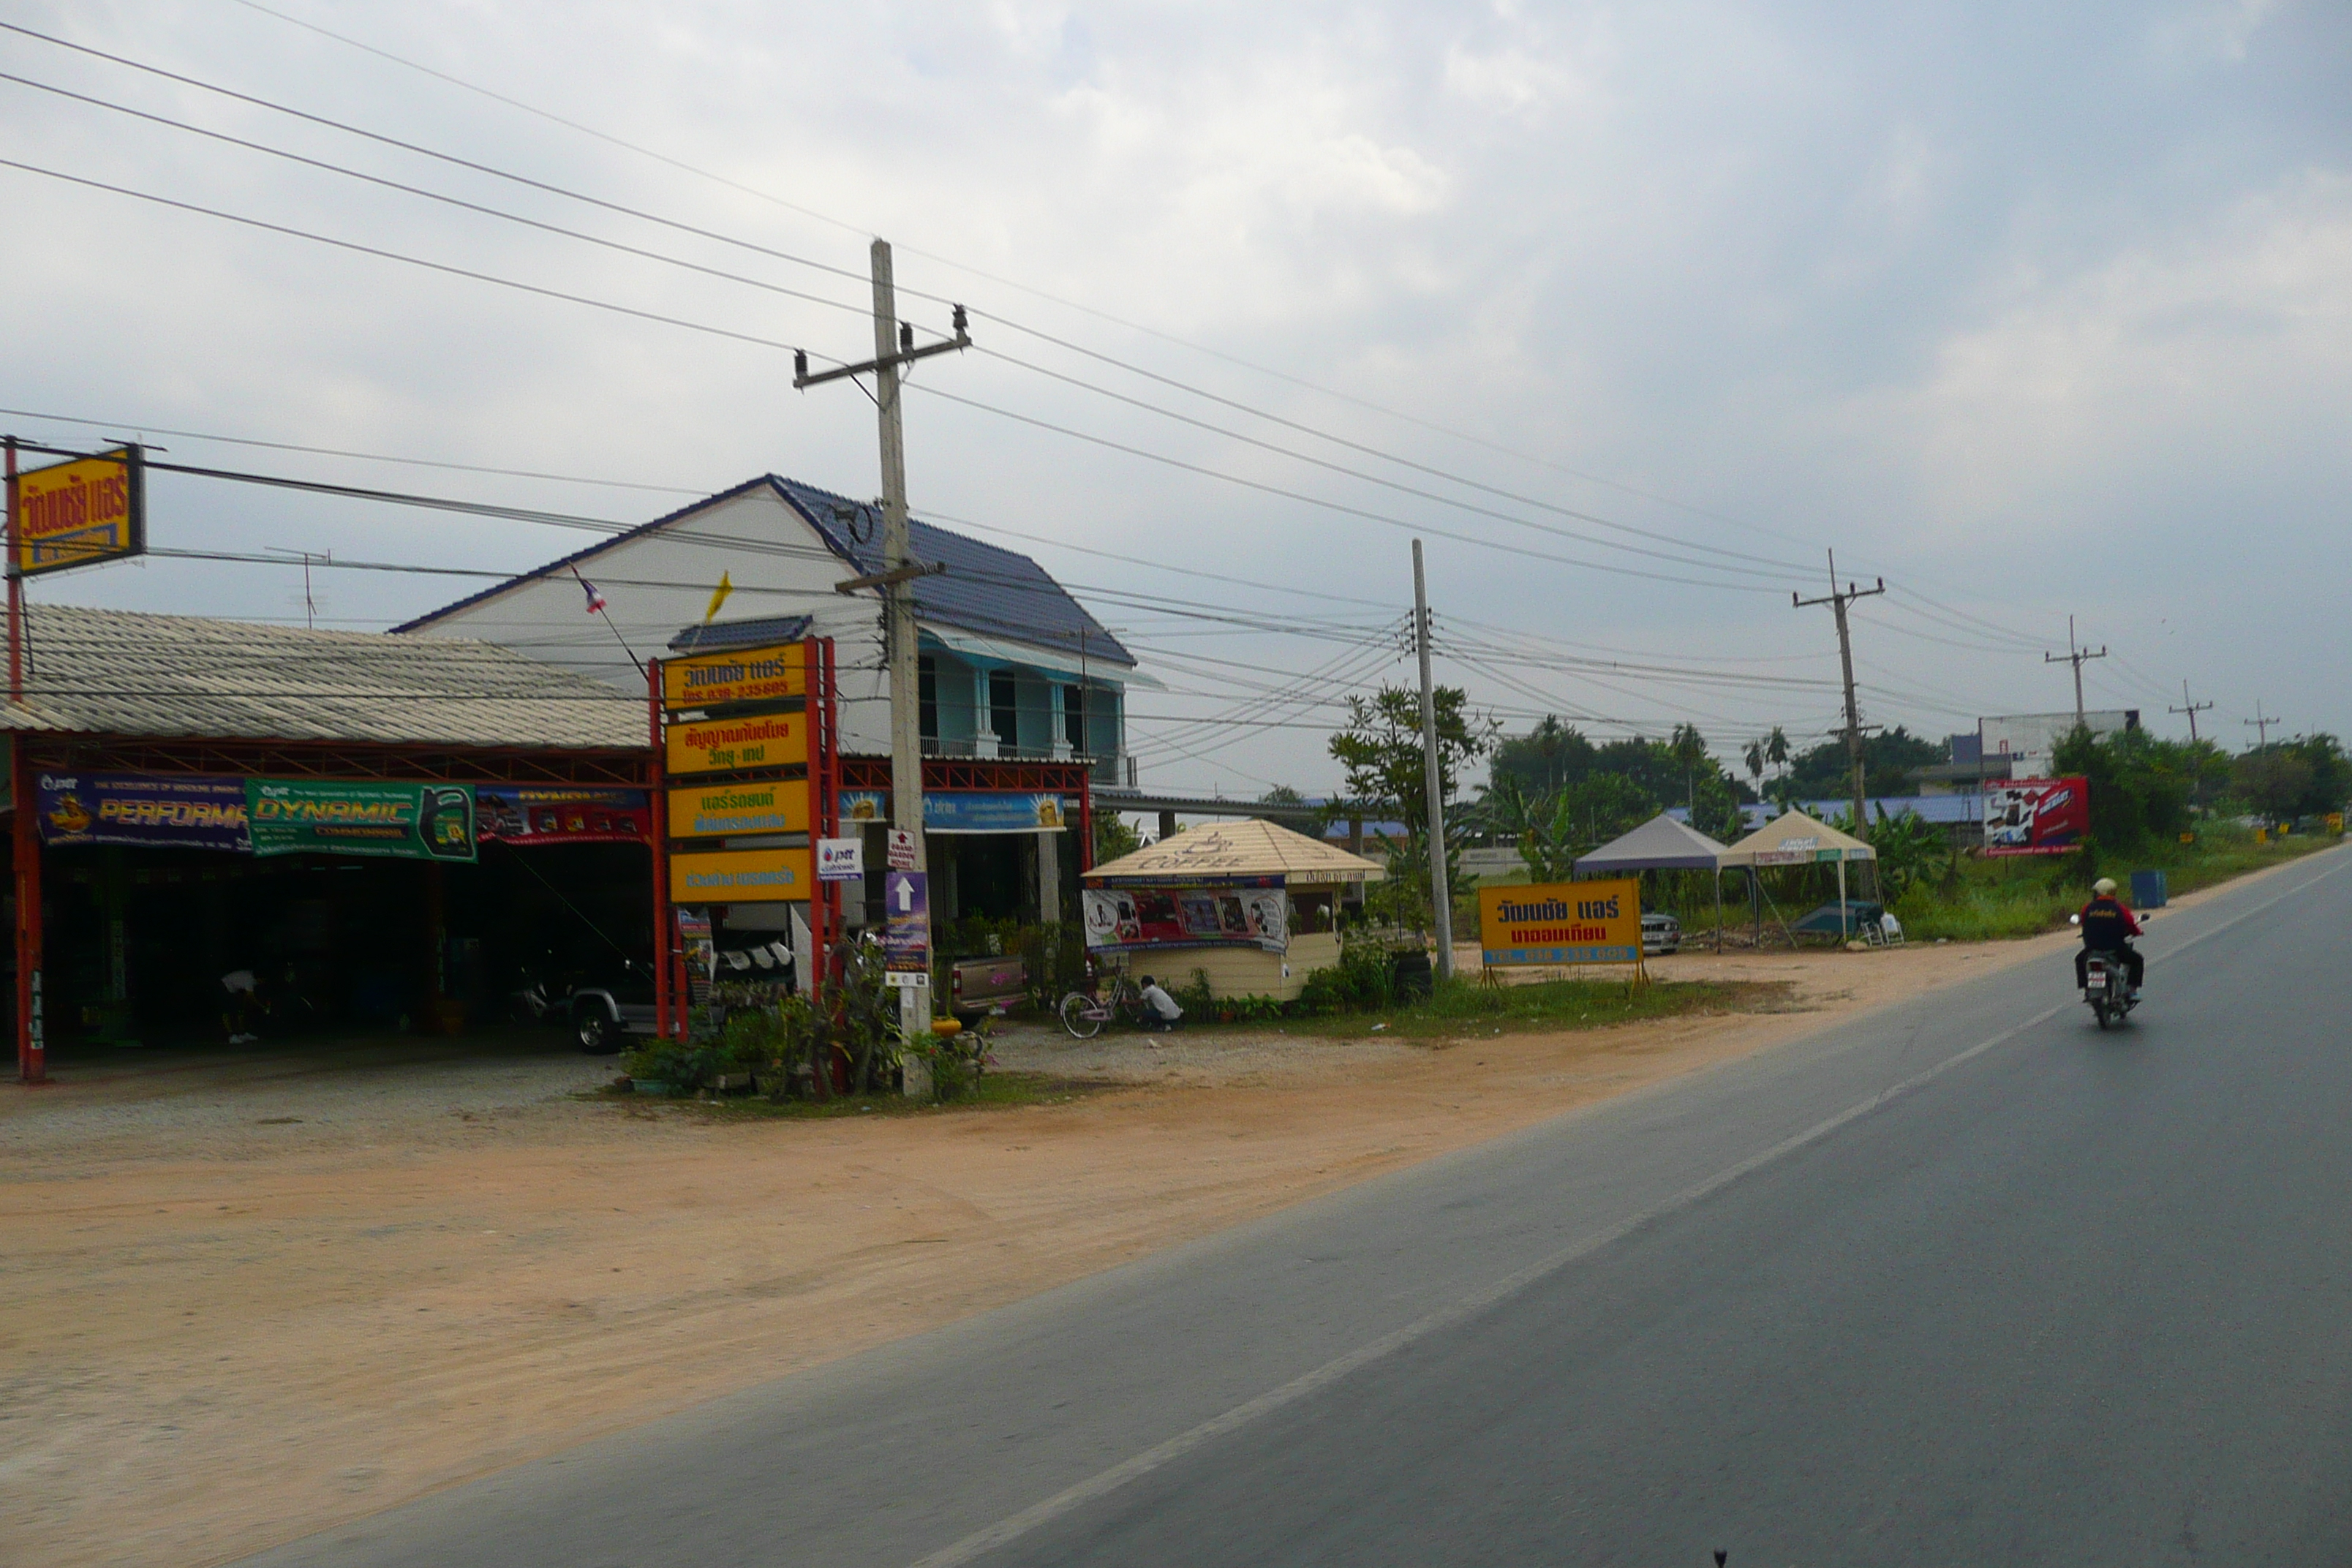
894, 345
1837, 602
2262, 725
2193, 710
2075, 655
1440, 895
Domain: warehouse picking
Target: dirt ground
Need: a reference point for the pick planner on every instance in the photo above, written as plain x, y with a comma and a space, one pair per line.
241, 1300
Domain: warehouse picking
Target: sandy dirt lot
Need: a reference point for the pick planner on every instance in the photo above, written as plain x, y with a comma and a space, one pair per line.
240, 1301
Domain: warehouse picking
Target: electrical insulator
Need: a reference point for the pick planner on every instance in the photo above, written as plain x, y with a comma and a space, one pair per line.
906, 337
961, 325
800, 365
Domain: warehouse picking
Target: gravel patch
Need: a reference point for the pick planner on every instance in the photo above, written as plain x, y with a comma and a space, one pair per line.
1127, 1056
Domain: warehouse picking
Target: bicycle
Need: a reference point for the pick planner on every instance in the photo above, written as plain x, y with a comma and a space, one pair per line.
1084, 1014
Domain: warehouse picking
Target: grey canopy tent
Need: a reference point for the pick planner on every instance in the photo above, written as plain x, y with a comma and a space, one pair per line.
1660, 843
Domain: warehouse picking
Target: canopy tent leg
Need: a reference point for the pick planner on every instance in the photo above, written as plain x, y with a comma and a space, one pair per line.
1845, 924
1718, 911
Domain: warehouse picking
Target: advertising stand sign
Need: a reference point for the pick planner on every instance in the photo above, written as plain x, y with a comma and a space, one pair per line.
1551, 923
774, 749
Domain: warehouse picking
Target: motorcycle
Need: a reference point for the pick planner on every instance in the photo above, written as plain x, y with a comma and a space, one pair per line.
2106, 985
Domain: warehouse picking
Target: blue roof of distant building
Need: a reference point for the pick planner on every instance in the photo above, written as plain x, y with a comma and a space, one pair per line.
985, 589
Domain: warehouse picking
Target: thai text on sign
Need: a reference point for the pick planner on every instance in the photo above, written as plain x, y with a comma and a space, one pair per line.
740, 877
1562, 922
81, 512
750, 675
720, 811
734, 745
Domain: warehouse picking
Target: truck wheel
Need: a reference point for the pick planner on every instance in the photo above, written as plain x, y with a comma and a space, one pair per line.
594, 1029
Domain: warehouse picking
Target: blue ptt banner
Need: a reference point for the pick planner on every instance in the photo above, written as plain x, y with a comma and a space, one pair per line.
189, 811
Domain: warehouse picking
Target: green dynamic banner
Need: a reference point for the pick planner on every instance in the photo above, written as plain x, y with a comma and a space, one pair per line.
407, 821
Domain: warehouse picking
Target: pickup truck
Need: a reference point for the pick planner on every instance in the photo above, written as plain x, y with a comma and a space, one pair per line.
981, 988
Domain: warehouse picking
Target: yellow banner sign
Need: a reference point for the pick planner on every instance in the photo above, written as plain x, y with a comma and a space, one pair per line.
741, 877
1562, 922
82, 512
733, 745
749, 675
722, 811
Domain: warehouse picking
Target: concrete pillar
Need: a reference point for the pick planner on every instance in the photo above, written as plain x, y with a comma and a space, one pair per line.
1049, 878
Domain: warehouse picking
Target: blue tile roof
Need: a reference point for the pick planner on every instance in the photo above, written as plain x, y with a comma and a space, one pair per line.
985, 589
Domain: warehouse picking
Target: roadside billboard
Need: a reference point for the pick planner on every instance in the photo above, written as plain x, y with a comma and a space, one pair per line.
1551, 923
2036, 817
81, 512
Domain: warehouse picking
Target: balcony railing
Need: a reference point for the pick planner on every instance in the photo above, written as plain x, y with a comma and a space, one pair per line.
1112, 771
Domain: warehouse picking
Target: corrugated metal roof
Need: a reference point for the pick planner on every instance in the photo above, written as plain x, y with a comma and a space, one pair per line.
127, 673
985, 588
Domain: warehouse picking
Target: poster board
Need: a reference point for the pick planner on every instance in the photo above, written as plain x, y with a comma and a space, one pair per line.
1140, 918
1553, 923
2036, 817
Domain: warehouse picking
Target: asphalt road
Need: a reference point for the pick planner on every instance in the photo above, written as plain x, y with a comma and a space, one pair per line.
1963, 1281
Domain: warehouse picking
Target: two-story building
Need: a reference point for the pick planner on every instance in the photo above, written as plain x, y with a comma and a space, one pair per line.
1023, 691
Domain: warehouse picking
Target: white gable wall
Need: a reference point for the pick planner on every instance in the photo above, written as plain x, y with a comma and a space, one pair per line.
660, 582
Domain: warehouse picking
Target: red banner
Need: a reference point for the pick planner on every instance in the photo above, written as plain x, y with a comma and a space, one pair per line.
2036, 817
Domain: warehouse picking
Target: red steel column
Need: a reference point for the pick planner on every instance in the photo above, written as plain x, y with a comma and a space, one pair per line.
32, 1040
658, 798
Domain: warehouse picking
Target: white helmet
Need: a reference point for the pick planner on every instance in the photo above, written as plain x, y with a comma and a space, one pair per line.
2103, 887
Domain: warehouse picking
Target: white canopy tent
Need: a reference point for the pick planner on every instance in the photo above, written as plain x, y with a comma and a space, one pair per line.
1796, 839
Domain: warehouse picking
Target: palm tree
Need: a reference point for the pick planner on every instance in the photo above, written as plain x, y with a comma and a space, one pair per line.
1776, 748
1754, 758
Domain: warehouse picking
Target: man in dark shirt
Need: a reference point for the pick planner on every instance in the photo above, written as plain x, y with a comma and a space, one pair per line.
2108, 928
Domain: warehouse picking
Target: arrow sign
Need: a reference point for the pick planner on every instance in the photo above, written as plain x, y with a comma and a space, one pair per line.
907, 916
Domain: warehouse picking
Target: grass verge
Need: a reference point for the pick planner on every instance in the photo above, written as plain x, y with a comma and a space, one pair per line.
1999, 898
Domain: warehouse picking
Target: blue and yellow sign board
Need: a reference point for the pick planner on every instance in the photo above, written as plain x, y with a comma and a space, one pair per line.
80, 513
1562, 922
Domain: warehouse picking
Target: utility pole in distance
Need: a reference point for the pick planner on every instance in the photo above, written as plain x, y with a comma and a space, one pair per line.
2262, 725
894, 345
2075, 655
2193, 710
1441, 896
1837, 602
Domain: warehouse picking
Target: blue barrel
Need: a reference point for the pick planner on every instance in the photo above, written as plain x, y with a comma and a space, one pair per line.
2147, 889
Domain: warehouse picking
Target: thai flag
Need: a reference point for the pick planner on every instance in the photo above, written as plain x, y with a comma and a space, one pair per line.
595, 599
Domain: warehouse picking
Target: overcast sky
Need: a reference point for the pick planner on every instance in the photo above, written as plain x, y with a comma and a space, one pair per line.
2035, 310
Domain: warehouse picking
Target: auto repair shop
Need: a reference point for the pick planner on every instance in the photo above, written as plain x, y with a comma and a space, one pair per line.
383, 832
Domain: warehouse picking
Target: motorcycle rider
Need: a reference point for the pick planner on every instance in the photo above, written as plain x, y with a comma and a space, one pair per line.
2108, 928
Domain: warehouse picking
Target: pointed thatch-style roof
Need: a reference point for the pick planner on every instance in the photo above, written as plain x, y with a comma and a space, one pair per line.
1250, 848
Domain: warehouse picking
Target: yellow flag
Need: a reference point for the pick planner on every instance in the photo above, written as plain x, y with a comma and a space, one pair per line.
718, 597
